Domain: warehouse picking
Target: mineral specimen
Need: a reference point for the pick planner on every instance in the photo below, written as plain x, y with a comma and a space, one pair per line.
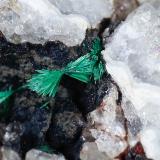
108, 126
28, 122
90, 151
94, 11
122, 8
126, 123
39, 155
8, 154
39, 21
132, 57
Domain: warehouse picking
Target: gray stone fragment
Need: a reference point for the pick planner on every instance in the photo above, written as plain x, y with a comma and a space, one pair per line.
39, 155
8, 154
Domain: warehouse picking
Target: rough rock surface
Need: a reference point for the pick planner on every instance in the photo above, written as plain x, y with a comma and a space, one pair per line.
39, 21
90, 152
39, 155
108, 126
122, 8
132, 57
28, 124
8, 154
94, 11
28, 21
144, 1
109, 134
126, 124
66, 128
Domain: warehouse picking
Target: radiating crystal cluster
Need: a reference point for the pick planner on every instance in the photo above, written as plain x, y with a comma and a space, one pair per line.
133, 59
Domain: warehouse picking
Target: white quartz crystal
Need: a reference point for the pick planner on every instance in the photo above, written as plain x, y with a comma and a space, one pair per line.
8, 154
90, 152
132, 57
93, 10
38, 21
39, 155
144, 1
109, 131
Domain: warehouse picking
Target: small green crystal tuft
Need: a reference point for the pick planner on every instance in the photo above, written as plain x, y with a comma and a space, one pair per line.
85, 68
4, 95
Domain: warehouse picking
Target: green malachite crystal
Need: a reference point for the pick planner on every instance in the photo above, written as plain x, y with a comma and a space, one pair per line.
4, 95
84, 69
46, 148
46, 82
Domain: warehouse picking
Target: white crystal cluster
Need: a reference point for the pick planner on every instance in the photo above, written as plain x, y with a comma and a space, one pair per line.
144, 1
93, 10
38, 21
90, 151
109, 131
133, 59
8, 154
39, 155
